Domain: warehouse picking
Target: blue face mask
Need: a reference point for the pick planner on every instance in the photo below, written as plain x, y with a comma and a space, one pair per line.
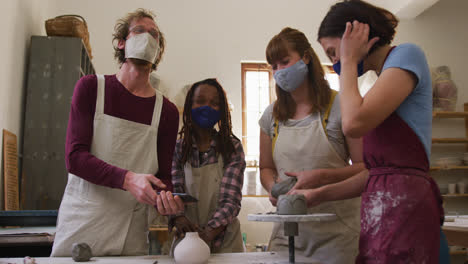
205, 116
289, 79
360, 68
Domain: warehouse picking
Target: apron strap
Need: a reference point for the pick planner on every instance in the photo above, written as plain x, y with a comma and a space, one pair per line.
101, 87
157, 109
324, 121
275, 136
327, 112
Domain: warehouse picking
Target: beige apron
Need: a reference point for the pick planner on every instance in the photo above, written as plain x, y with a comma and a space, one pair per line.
110, 221
307, 148
204, 184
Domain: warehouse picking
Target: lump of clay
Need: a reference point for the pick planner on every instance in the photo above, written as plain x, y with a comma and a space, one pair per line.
81, 252
29, 260
294, 204
283, 187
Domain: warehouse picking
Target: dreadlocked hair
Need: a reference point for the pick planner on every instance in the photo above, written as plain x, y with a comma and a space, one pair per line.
224, 145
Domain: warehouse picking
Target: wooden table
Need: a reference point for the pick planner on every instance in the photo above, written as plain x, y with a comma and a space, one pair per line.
456, 230
456, 235
27, 236
227, 258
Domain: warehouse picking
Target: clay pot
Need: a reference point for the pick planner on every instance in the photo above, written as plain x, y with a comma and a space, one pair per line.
191, 250
294, 204
445, 91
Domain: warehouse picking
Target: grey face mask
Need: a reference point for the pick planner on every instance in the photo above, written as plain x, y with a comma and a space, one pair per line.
289, 79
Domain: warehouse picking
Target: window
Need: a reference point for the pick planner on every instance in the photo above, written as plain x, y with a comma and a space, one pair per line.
365, 82
257, 93
332, 77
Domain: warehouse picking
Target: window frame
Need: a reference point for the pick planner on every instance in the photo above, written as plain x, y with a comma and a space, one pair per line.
253, 66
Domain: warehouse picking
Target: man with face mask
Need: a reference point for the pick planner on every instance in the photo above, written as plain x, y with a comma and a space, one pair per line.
120, 141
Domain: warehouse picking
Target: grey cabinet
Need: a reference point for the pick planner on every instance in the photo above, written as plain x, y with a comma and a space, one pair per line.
55, 65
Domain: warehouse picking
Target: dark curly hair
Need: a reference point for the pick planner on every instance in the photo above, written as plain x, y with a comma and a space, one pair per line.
382, 23
224, 145
121, 31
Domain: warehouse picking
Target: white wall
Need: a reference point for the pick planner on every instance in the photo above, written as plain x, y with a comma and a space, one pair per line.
20, 19
207, 38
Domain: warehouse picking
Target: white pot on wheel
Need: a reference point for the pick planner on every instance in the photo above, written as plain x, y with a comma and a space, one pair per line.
191, 250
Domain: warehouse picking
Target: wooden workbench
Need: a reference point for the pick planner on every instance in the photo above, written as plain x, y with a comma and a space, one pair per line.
227, 258
27, 235
456, 231
456, 236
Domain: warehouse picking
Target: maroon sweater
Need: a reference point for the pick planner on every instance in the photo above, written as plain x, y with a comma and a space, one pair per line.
119, 102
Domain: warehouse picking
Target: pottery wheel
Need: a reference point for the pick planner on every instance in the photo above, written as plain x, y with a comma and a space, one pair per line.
291, 228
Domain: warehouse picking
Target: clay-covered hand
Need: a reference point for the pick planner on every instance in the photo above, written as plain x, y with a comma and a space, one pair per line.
167, 204
355, 43
313, 196
139, 185
208, 233
307, 179
273, 199
184, 225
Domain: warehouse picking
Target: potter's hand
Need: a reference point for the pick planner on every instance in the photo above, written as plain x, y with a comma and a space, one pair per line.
167, 204
306, 179
355, 43
208, 233
273, 200
183, 225
269, 186
139, 185
313, 196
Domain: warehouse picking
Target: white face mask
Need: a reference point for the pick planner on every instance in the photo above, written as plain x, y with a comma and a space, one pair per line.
142, 46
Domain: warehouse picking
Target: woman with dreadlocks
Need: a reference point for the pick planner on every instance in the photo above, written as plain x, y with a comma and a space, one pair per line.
209, 165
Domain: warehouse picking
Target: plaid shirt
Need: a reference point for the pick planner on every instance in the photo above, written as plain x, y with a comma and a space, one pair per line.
230, 191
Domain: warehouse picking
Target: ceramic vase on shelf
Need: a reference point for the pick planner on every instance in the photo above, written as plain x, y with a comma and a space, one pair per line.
191, 250
445, 91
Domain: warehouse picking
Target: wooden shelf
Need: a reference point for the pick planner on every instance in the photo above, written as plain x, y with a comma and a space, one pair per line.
449, 114
450, 140
455, 195
158, 229
458, 252
449, 168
